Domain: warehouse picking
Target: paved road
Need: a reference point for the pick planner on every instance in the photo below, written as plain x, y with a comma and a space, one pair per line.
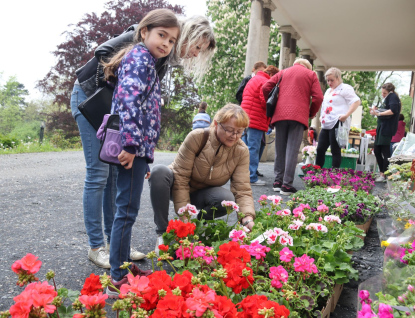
41, 213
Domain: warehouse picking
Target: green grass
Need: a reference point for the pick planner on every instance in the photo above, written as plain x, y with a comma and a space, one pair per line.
31, 147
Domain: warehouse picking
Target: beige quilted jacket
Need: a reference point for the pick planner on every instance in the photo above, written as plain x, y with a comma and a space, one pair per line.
214, 166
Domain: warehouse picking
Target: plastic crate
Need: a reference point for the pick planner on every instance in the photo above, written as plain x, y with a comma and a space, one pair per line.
347, 162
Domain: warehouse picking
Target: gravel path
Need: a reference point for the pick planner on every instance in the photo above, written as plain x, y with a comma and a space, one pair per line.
41, 213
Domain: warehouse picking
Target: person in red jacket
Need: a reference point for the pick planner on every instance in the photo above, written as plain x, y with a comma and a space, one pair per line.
291, 116
254, 104
400, 133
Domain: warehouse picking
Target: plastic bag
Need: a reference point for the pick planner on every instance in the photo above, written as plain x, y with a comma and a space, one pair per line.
342, 135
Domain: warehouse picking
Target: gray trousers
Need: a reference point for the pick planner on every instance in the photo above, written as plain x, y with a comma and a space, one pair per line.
288, 137
161, 183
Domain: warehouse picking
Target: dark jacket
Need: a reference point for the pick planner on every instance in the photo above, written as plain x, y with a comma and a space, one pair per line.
91, 75
240, 91
254, 103
389, 126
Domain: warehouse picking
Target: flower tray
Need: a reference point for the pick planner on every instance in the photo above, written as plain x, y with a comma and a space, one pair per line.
365, 227
325, 312
336, 295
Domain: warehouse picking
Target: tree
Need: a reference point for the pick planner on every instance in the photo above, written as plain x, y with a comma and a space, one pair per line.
12, 104
79, 47
181, 98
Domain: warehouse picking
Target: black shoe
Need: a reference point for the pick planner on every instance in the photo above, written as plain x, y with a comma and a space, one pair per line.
259, 174
287, 190
277, 186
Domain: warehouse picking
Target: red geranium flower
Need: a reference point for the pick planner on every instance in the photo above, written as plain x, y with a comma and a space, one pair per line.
184, 282
171, 306
180, 228
92, 285
224, 306
251, 304
163, 247
235, 279
231, 252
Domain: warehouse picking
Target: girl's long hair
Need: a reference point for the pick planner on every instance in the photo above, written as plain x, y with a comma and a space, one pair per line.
194, 30
155, 18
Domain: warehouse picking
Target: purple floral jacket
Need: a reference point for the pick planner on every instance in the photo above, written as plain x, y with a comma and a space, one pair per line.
139, 123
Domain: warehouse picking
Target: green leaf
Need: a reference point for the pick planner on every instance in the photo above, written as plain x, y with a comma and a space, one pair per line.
178, 263
66, 312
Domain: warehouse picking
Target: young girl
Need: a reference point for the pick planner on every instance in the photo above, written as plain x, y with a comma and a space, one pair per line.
137, 100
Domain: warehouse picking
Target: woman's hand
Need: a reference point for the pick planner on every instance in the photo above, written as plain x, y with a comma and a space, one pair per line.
250, 224
148, 174
343, 118
373, 111
126, 159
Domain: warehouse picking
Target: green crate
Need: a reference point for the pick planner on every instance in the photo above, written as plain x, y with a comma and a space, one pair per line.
347, 162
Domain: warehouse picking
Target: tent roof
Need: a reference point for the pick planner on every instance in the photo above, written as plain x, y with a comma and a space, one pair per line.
353, 34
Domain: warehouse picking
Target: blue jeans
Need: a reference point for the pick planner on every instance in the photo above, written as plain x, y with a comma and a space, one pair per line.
253, 140
100, 180
129, 188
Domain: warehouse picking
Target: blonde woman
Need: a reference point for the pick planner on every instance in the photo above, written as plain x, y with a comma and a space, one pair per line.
340, 101
199, 180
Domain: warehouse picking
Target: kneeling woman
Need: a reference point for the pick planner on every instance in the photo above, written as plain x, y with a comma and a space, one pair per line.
198, 179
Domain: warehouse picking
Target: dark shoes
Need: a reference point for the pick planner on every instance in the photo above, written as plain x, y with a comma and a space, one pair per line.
113, 293
259, 174
277, 186
287, 190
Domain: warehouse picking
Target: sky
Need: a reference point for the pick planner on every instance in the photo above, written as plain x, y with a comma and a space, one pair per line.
31, 29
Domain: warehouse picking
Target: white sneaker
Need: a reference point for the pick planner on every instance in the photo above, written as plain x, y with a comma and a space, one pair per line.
159, 241
100, 257
136, 255
380, 179
258, 183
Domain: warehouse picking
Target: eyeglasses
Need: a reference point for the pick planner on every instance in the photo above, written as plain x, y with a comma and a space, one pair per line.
230, 133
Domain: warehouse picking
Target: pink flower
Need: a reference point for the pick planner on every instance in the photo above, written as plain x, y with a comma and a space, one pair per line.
337, 204
286, 240
366, 312
237, 235
317, 227
91, 302
411, 288
323, 208
364, 297
286, 254
332, 218
29, 263
230, 204
278, 275
200, 302
136, 285
188, 210
385, 311
285, 212
263, 198
320, 219
44, 301
257, 250
275, 199
305, 264
296, 225
20, 309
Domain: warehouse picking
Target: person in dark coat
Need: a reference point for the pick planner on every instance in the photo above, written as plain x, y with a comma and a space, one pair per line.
258, 66
387, 127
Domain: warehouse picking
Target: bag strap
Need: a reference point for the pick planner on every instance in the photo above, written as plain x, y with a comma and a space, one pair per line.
282, 73
204, 141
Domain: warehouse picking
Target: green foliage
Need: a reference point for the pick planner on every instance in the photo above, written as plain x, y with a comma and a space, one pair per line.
231, 26
58, 138
8, 142
26, 131
12, 104
406, 102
